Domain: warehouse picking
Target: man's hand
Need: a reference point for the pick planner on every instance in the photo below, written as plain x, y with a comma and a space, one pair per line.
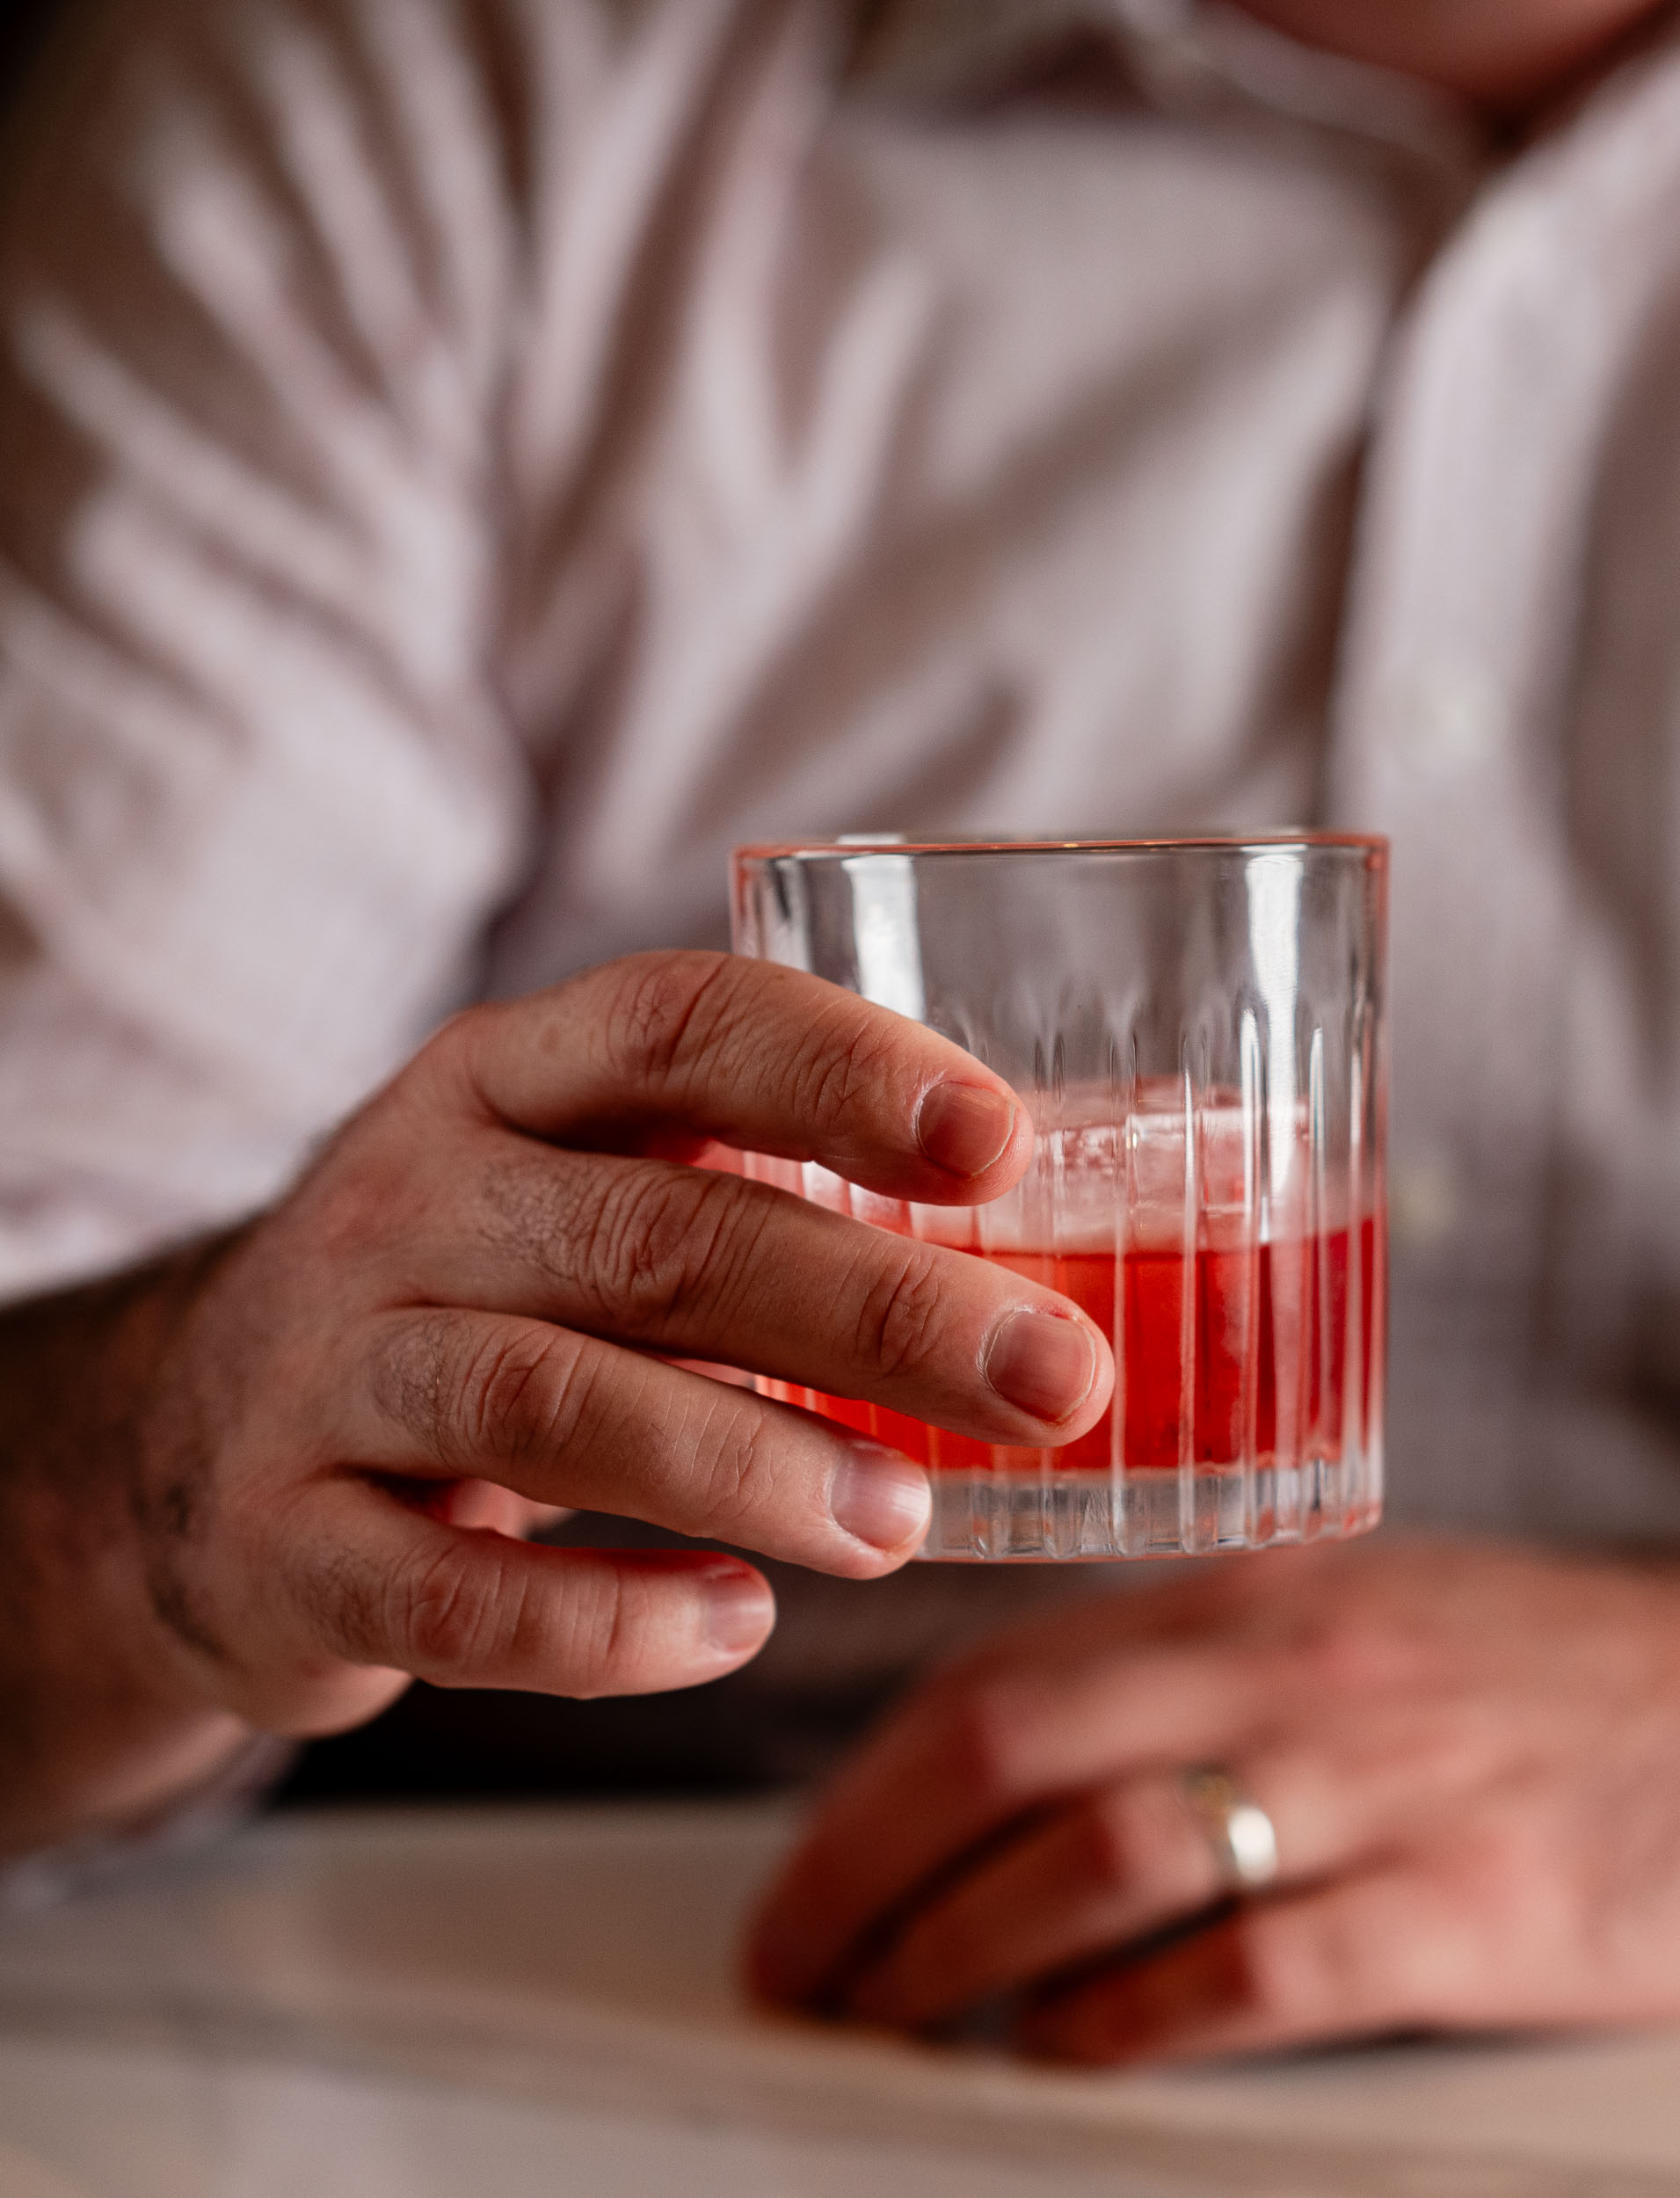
1471, 1756
299, 1463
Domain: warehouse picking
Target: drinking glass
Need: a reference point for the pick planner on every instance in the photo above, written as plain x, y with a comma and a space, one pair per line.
1196, 1027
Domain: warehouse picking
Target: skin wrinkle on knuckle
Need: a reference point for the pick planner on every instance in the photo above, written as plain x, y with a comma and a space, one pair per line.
521, 1398
606, 1649
732, 1460
665, 1016
690, 1239
634, 1241
523, 1630
901, 1321
634, 1246
722, 1247
445, 1610
839, 1061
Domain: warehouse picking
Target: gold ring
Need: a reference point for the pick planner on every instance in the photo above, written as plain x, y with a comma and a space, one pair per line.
1241, 1835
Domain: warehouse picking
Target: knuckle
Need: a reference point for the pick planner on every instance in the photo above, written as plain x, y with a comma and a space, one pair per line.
1117, 1842
901, 1319
449, 1066
665, 1011
988, 1728
1348, 1653
447, 1617
846, 1051
355, 1200
352, 1210
734, 1462
519, 1394
606, 1648
658, 1239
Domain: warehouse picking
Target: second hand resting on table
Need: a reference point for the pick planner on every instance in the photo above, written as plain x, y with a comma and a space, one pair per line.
1471, 1756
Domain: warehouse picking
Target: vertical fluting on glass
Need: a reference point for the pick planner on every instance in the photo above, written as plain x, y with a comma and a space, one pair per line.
1124, 1534
1319, 1358
1356, 1430
1259, 1498
1188, 1230
1059, 1493
988, 1521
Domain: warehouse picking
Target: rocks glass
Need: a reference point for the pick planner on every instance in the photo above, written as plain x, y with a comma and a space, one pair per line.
1197, 1028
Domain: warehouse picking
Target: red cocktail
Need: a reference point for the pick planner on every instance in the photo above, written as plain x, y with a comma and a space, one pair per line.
1243, 1306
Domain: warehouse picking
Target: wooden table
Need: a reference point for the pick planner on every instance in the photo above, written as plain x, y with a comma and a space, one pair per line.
439, 2004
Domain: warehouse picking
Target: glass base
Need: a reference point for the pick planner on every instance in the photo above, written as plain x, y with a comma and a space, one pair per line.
1049, 1517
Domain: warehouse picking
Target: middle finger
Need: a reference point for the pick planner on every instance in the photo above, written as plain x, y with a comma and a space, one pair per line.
705, 1265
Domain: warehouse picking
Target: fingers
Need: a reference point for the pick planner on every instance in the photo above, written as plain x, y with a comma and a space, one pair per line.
1366, 1956
374, 1582
1087, 1702
761, 1058
1110, 1867
706, 1265
969, 1756
563, 1418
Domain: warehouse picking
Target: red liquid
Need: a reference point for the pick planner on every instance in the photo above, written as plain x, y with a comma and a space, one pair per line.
1268, 1358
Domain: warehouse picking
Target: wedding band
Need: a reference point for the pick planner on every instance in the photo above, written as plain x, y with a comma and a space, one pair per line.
1242, 1836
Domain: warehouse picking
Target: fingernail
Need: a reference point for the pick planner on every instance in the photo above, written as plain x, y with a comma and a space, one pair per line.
963, 1128
879, 1497
737, 1612
1041, 1364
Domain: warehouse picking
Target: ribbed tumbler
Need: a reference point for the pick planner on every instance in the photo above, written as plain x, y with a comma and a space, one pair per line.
1197, 1028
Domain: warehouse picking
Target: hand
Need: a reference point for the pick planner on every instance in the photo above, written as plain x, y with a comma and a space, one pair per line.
457, 1314
1471, 1756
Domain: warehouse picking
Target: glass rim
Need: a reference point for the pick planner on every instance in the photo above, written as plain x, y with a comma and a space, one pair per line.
1373, 845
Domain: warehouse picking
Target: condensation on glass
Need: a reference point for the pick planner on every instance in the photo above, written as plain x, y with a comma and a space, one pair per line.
1197, 1028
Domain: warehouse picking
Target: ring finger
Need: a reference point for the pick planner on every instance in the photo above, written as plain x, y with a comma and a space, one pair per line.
561, 1418
1101, 1872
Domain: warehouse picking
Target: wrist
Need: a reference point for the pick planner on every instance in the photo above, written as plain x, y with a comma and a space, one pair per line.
110, 1712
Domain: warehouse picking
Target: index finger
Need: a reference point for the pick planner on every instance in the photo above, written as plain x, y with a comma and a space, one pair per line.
755, 1056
